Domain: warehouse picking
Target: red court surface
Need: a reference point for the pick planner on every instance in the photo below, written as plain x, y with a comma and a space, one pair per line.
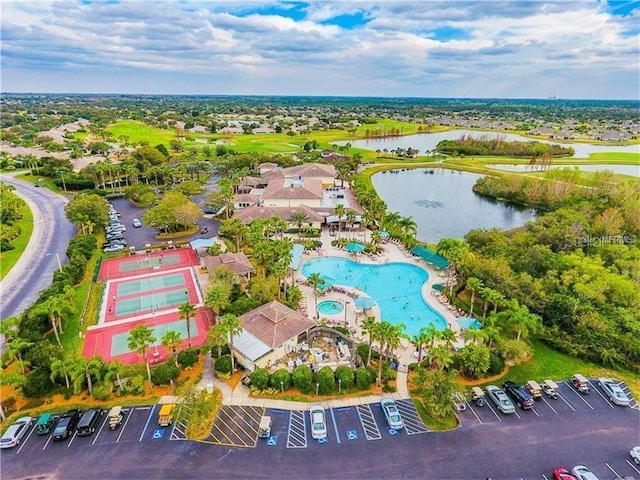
142, 263
115, 299
100, 340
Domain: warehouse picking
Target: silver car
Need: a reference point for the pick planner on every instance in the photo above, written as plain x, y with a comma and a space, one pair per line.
15, 433
614, 392
391, 413
318, 423
500, 399
583, 473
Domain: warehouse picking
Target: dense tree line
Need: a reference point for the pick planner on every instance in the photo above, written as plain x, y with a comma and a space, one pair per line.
468, 145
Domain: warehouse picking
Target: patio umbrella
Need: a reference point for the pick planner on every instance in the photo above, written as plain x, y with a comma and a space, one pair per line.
365, 303
438, 287
354, 247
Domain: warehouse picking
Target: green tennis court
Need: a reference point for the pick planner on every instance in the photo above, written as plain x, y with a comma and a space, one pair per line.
152, 301
149, 262
150, 283
119, 342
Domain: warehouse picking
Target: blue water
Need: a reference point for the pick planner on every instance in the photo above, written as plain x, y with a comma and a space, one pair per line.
330, 307
396, 288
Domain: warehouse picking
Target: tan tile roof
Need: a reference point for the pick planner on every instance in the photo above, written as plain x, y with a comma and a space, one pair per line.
309, 188
248, 214
310, 170
274, 323
238, 262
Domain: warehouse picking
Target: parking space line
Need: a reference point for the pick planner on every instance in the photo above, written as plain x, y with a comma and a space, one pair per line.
23, 443
534, 411
147, 424
610, 468
232, 422
492, 410
475, 414
516, 413
579, 395
175, 423
224, 434
368, 422
99, 431
412, 422
129, 415
72, 438
47, 442
544, 476
297, 431
335, 426
633, 466
600, 393
549, 405
565, 401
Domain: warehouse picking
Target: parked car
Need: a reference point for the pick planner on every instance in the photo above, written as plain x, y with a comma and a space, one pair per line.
519, 395
113, 248
66, 424
583, 473
115, 416
115, 242
562, 474
204, 229
115, 236
392, 414
580, 383
318, 422
500, 399
635, 454
209, 211
15, 433
45, 424
89, 421
116, 228
613, 390
136, 223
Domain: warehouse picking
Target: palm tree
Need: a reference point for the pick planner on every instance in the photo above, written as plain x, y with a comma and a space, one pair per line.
339, 212
61, 368
57, 307
368, 326
392, 221
113, 369
474, 284
231, 325
448, 336
217, 337
16, 347
299, 217
186, 311
455, 250
441, 357
408, 226
525, 321
316, 282
394, 334
419, 340
351, 219
83, 369
172, 340
139, 340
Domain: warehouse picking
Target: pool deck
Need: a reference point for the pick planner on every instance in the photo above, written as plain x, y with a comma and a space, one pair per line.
351, 318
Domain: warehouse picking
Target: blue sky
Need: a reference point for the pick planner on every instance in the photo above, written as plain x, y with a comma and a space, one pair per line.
424, 48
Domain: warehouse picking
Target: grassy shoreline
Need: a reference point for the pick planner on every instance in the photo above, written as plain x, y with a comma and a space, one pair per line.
25, 224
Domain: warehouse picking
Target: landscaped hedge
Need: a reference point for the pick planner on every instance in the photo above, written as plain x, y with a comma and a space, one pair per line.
303, 378
38, 384
223, 364
260, 378
188, 357
325, 380
364, 379
281, 379
163, 374
345, 375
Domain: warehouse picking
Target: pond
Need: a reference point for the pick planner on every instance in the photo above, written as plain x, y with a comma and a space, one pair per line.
621, 169
443, 204
426, 142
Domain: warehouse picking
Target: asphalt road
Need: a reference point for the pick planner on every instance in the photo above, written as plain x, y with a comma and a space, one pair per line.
561, 433
51, 234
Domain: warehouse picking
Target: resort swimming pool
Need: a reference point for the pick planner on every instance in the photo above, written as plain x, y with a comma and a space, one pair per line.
396, 288
330, 307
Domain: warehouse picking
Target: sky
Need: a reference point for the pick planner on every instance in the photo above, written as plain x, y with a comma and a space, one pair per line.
421, 48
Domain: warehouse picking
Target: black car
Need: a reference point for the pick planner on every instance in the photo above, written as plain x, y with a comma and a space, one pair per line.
204, 229
66, 425
519, 394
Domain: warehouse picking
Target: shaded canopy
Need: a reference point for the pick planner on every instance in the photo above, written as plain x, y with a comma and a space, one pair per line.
431, 257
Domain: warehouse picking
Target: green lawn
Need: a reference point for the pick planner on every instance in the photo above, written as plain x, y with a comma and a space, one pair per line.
25, 224
548, 363
139, 132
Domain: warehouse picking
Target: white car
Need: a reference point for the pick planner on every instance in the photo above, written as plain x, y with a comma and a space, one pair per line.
136, 223
318, 422
635, 454
614, 392
500, 399
15, 433
391, 413
583, 473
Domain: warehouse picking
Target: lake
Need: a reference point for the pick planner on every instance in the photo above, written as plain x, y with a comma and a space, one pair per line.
443, 204
425, 142
621, 169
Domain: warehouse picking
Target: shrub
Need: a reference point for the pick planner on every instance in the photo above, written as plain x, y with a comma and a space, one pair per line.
345, 375
135, 386
342, 330
102, 391
84, 245
363, 378
37, 384
326, 380
388, 373
223, 351
281, 375
163, 374
496, 364
303, 378
188, 357
260, 379
223, 364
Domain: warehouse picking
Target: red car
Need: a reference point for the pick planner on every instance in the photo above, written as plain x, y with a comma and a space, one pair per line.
562, 474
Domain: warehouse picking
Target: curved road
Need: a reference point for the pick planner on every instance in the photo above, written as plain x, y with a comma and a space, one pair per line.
51, 234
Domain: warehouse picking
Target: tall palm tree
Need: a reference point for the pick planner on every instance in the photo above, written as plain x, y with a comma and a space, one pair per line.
368, 326
474, 284
339, 212
408, 226
394, 334
113, 369
231, 325
58, 307
316, 283
172, 340
61, 368
299, 217
419, 340
455, 250
83, 369
186, 311
525, 321
139, 340
351, 219
16, 347
217, 337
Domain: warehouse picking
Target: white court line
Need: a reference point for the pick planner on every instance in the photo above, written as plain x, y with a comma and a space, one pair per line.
99, 431
22, 444
474, 412
633, 466
610, 468
600, 393
549, 405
